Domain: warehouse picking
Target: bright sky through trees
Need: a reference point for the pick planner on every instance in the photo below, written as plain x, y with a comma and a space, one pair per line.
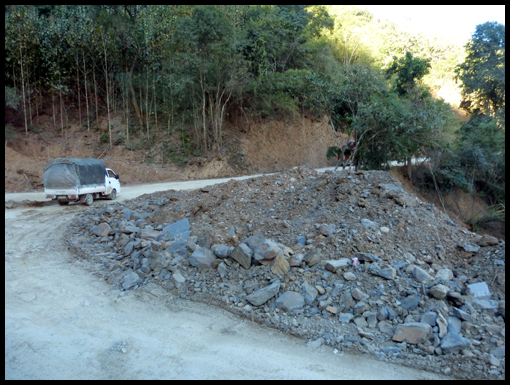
457, 21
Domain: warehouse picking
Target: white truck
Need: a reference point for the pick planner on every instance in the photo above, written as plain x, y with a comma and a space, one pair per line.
79, 180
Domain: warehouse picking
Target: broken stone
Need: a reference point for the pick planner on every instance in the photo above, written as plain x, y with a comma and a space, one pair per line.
263, 295
290, 300
488, 240
334, 264
280, 265
242, 254
202, 258
413, 333
439, 291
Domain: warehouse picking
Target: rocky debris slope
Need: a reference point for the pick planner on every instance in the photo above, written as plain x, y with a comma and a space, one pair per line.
347, 260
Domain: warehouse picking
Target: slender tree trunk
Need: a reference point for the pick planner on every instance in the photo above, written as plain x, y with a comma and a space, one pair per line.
95, 95
86, 92
61, 110
155, 104
107, 92
78, 86
53, 104
29, 101
147, 100
23, 89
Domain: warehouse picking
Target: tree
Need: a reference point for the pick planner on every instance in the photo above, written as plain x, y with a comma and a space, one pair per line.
483, 72
409, 71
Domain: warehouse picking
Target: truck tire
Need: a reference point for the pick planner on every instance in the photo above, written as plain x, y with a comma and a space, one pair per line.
87, 199
112, 195
63, 203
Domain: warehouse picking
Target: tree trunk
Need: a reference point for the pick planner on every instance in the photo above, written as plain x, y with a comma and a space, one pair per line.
95, 95
86, 93
23, 89
107, 92
78, 86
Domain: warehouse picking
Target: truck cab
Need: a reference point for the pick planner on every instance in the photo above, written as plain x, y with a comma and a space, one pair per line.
112, 183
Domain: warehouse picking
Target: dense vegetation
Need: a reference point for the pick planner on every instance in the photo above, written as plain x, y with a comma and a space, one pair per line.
186, 70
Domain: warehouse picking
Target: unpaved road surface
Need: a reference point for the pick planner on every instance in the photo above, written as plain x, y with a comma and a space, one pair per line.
64, 322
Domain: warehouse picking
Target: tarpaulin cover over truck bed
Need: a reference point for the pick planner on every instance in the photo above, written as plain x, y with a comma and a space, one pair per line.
67, 173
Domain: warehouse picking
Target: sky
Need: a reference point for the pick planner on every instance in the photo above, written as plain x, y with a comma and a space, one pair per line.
457, 21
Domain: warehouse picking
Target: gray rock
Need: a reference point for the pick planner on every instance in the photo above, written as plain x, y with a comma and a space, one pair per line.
360, 307
266, 250
101, 230
128, 249
444, 275
131, 229
263, 295
149, 234
452, 342
357, 294
202, 258
371, 319
410, 302
367, 257
178, 279
421, 275
480, 290
255, 240
313, 257
384, 271
178, 229
391, 187
470, 248
487, 240
130, 280
382, 314
386, 327
310, 293
368, 223
462, 315
221, 251
498, 262
413, 332
334, 264
126, 213
349, 276
242, 254
345, 317
429, 318
439, 291
222, 270
327, 230
498, 352
301, 240
360, 322
494, 361
442, 324
454, 325
290, 300
406, 200
391, 349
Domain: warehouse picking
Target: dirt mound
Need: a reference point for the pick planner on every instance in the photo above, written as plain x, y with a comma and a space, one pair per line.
348, 260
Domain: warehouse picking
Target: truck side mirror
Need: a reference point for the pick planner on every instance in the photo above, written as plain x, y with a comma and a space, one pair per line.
116, 177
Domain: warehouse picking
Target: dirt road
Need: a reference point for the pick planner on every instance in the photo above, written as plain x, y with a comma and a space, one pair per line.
63, 322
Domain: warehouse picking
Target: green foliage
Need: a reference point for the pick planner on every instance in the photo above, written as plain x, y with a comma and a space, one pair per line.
477, 162
409, 71
483, 72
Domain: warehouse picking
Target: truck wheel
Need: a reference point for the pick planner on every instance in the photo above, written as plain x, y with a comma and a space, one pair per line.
63, 203
87, 199
112, 195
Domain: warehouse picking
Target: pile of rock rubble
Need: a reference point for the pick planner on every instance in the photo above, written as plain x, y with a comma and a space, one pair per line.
349, 260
